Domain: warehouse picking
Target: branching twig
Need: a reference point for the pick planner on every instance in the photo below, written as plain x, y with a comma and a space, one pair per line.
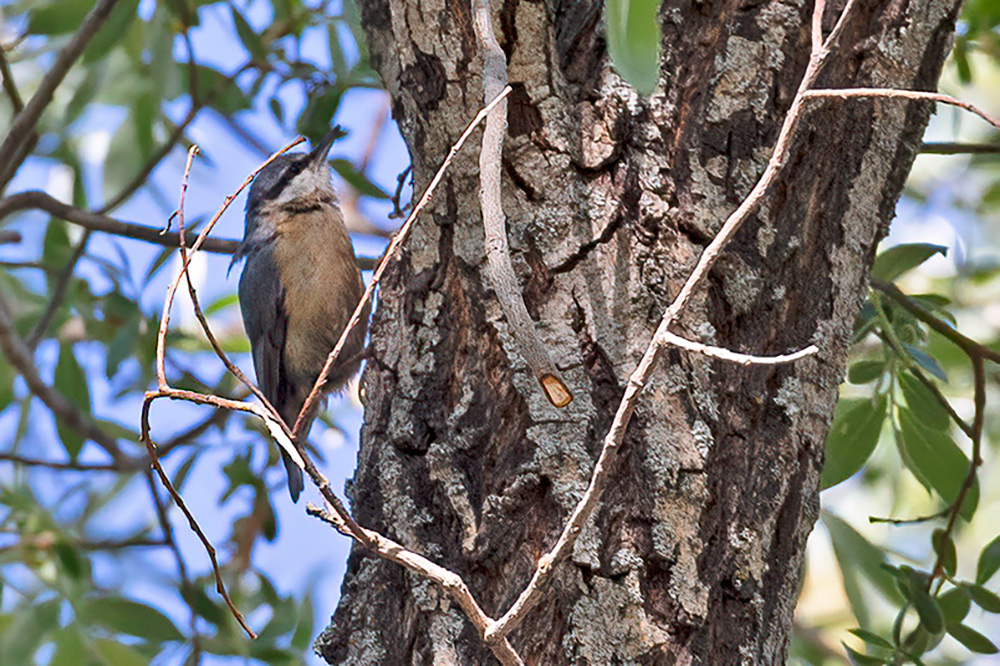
58, 293
978, 355
499, 269
164, 389
450, 581
616, 434
11, 155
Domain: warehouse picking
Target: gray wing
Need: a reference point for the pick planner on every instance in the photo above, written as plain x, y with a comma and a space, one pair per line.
262, 305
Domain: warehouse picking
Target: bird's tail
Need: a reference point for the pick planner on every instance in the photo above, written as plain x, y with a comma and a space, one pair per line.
295, 482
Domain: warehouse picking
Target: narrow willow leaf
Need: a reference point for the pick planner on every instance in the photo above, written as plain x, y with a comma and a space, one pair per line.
899, 259
944, 548
972, 639
989, 561
634, 41
985, 599
923, 404
131, 617
71, 382
862, 659
937, 461
854, 433
871, 639
865, 371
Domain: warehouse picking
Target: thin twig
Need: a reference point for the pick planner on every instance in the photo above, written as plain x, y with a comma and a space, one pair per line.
963, 342
735, 357
848, 93
58, 293
450, 581
8, 83
62, 466
10, 237
499, 269
24, 123
616, 434
952, 148
398, 212
182, 573
390, 254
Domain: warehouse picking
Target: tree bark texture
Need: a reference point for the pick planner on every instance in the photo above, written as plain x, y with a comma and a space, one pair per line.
695, 554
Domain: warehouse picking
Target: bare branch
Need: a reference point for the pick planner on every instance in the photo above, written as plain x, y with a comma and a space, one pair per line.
9, 237
8, 83
25, 121
35, 199
950, 148
726, 355
499, 269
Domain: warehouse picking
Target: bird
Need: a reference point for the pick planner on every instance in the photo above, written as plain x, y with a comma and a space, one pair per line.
299, 286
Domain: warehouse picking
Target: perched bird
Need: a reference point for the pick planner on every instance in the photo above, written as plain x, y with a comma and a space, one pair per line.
299, 286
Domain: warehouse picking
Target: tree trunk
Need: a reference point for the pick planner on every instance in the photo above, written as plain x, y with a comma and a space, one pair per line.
695, 553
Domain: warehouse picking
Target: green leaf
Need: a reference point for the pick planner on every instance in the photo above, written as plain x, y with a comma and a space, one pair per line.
58, 18
634, 41
904, 257
205, 607
972, 639
944, 548
302, 638
221, 303
930, 614
923, 404
871, 639
862, 659
71, 382
69, 558
357, 180
955, 604
936, 461
857, 557
124, 160
865, 371
132, 618
70, 647
318, 114
989, 561
218, 89
56, 248
7, 376
857, 423
985, 599
115, 653
926, 361
112, 31
251, 40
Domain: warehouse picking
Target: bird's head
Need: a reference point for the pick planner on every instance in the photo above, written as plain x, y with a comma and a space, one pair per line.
294, 176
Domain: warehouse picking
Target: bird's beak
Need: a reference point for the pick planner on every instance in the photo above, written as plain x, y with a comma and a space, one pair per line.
320, 150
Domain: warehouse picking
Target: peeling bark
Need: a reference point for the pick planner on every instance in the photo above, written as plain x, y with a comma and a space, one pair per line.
695, 554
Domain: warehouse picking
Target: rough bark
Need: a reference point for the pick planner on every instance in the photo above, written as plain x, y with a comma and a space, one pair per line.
695, 554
